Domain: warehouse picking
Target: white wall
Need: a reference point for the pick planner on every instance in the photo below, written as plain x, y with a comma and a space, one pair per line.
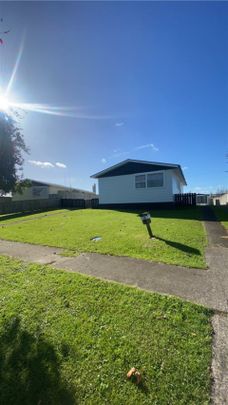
176, 184
121, 190
31, 193
223, 199
63, 192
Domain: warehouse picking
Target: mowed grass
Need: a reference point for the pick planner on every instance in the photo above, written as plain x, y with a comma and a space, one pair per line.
180, 236
69, 339
222, 214
26, 216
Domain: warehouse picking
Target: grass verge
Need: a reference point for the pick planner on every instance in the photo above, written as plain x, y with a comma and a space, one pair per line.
70, 339
180, 236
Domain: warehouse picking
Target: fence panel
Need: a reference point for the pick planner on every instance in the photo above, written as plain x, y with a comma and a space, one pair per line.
79, 203
95, 203
73, 203
7, 206
187, 199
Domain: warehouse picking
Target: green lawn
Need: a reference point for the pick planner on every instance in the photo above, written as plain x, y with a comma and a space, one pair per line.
70, 339
180, 236
26, 216
222, 214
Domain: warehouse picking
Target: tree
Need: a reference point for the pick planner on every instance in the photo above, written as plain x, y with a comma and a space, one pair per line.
12, 146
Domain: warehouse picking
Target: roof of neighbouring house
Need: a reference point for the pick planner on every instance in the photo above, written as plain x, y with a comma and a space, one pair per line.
42, 183
131, 166
219, 194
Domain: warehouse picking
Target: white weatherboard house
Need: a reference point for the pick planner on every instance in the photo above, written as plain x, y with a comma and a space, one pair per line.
139, 182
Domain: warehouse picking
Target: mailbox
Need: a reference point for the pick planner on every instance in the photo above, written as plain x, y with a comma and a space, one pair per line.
146, 220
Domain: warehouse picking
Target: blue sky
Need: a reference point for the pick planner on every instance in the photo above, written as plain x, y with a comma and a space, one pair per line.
144, 80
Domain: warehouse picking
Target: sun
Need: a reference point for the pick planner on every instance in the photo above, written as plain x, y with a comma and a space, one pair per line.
4, 103
10, 107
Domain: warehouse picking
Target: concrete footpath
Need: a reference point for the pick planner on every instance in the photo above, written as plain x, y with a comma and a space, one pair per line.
206, 287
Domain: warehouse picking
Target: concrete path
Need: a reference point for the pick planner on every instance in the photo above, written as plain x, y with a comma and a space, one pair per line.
206, 287
217, 260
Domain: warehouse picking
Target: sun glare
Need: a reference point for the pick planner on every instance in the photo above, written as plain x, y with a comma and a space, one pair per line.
4, 103
9, 107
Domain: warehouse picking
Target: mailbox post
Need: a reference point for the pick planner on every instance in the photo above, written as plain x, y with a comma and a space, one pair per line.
146, 220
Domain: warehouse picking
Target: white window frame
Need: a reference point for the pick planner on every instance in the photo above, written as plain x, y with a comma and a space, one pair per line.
153, 174
145, 175
140, 182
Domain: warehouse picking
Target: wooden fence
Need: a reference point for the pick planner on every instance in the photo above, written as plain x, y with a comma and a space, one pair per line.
79, 203
7, 206
72, 203
187, 199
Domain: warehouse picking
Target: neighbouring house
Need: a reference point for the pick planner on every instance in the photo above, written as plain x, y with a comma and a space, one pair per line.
219, 199
41, 190
138, 182
202, 199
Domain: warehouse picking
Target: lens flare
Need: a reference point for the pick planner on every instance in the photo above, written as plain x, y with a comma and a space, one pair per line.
16, 65
9, 107
4, 103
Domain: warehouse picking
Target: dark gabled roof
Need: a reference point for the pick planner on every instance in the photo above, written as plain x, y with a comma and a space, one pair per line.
130, 166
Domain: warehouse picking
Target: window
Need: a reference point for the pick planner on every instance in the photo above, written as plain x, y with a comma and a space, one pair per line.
149, 180
155, 180
38, 191
140, 181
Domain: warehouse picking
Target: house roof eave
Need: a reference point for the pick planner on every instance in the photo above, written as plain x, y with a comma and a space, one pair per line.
109, 169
